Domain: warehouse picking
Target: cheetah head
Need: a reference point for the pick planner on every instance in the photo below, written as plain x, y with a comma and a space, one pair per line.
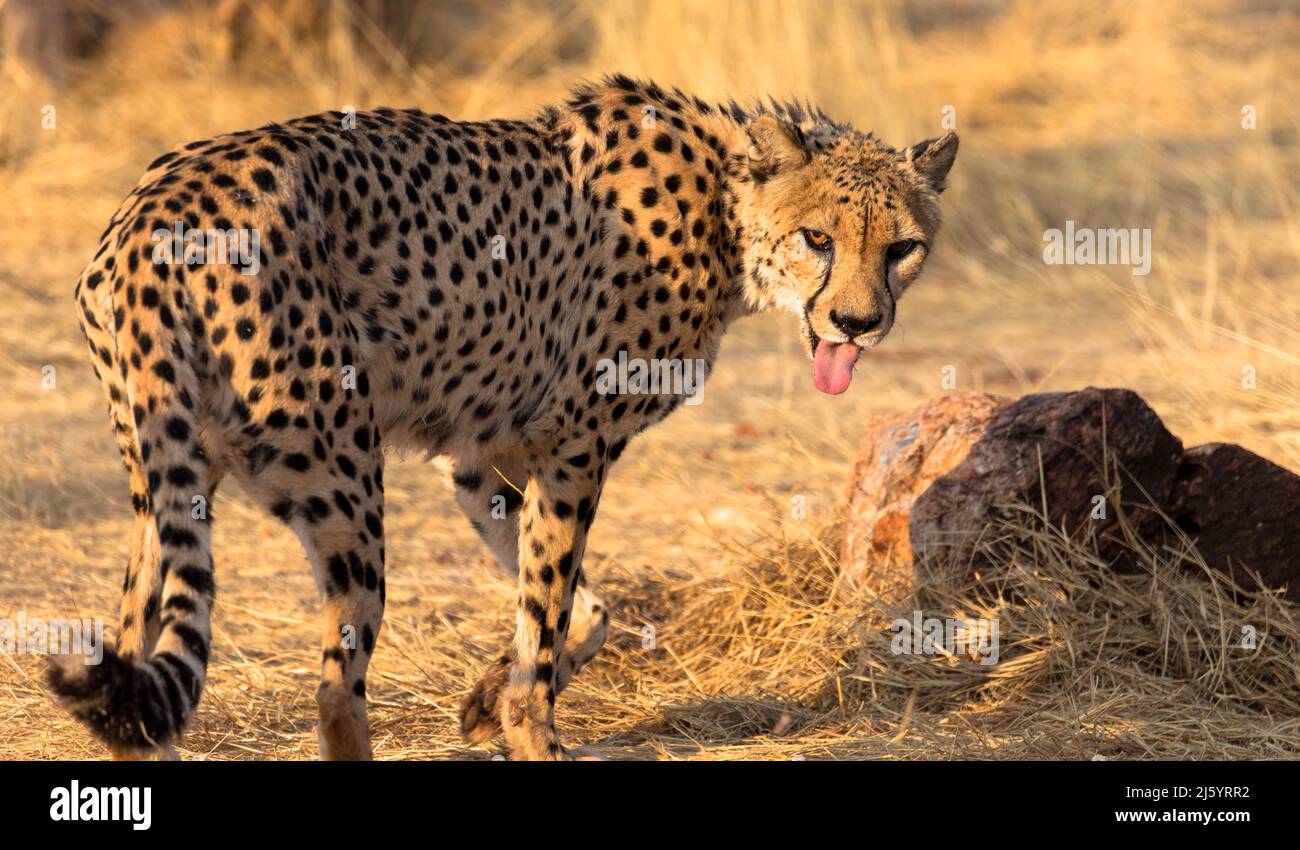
839, 226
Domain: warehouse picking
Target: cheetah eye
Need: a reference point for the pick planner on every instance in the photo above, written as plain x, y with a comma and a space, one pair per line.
816, 239
899, 250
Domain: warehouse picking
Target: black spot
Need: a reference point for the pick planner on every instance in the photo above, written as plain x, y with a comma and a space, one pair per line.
298, 462
164, 370
470, 481
178, 429
264, 179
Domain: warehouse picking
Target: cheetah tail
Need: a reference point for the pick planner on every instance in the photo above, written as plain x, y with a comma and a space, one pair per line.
139, 706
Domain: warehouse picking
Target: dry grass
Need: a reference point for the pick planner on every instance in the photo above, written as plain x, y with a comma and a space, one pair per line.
770, 659
1111, 114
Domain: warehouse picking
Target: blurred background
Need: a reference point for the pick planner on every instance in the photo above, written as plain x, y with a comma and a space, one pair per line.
1174, 115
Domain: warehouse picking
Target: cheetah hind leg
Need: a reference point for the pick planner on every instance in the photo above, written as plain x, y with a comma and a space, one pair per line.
339, 521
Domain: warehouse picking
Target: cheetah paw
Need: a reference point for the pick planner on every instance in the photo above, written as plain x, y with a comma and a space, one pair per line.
583, 754
478, 713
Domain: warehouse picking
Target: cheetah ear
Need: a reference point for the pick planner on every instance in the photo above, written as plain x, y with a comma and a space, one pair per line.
933, 158
774, 147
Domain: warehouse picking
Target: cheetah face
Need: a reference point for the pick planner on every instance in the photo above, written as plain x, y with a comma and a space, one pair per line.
842, 225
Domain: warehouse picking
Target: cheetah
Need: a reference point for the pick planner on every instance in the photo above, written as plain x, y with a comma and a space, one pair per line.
453, 287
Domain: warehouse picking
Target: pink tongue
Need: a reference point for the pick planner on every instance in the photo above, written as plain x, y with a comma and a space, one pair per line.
833, 365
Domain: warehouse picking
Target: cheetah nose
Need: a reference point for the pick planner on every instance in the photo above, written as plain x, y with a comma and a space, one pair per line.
855, 326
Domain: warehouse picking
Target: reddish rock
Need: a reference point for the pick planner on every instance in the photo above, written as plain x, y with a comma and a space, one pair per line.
1062, 450
900, 455
926, 484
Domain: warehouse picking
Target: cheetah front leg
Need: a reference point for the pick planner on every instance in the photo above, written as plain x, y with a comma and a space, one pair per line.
588, 627
557, 512
489, 492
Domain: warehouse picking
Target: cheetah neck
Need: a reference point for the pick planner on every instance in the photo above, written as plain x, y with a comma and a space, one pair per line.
670, 171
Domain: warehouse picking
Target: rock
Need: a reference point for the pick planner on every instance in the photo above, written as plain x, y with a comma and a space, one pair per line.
900, 455
1064, 450
1242, 511
926, 484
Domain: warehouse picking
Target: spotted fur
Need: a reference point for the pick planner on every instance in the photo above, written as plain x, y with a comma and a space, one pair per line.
451, 286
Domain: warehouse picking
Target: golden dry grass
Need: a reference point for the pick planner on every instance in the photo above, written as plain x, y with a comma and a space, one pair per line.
1108, 113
